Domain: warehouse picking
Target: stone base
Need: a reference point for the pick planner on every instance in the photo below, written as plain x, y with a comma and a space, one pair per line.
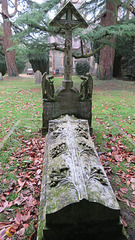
66, 101
93, 231
67, 84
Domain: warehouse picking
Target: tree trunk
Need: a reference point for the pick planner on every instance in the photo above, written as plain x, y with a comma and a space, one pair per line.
107, 54
9, 55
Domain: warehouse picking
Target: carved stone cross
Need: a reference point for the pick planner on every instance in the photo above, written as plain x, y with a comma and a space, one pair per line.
68, 18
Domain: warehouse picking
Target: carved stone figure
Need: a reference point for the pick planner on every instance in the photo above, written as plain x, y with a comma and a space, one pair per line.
68, 52
47, 87
86, 87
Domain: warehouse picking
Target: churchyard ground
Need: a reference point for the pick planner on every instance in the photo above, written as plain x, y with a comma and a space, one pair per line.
22, 153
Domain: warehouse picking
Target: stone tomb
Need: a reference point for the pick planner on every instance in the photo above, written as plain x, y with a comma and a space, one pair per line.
77, 201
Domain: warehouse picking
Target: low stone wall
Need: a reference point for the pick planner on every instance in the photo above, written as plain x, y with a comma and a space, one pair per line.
77, 200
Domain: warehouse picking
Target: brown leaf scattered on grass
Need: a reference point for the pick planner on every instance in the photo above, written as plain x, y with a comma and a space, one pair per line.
124, 222
117, 156
27, 186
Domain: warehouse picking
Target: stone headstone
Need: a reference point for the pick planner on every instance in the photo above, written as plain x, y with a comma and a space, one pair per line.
38, 77
1, 77
67, 99
77, 201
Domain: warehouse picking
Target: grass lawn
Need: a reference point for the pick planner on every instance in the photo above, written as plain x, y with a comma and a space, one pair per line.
22, 154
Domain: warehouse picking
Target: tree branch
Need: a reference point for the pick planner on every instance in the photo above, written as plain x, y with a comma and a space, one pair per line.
131, 8
15, 11
82, 47
57, 48
89, 54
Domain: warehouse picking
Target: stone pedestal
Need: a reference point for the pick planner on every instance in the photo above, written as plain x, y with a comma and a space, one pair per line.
77, 201
66, 101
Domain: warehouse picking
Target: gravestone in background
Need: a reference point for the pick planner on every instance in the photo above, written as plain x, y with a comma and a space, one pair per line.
1, 77
38, 77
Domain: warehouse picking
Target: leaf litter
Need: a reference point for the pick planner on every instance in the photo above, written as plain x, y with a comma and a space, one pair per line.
23, 210
116, 156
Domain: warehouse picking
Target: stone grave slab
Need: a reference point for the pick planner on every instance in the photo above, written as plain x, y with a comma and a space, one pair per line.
77, 200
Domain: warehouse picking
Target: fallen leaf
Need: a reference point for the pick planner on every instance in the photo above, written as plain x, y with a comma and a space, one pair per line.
124, 222
133, 205
118, 158
39, 171
133, 186
2, 234
25, 218
31, 237
128, 182
5, 205
4, 224
20, 232
25, 225
19, 200
8, 233
21, 184
124, 190
18, 217
29, 201
132, 180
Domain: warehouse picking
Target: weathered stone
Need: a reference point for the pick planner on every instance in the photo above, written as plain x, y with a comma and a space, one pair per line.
70, 13
47, 88
67, 99
86, 87
1, 77
67, 102
76, 197
38, 77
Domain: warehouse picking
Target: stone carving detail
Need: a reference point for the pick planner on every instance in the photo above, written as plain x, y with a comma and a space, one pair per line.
58, 149
71, 147
97, 174
86, 87
75, 187
68, 52
47, 87
58, 176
